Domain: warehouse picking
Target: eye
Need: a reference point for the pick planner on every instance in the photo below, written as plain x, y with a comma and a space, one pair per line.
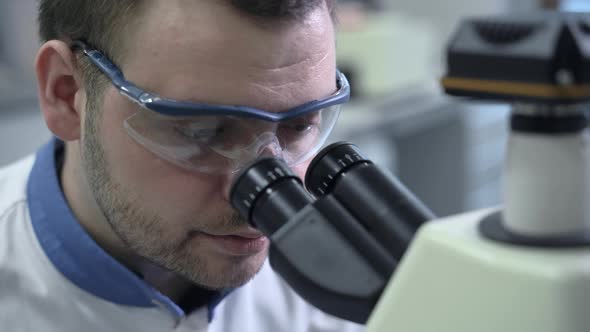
205, 134
303, 124
301, 127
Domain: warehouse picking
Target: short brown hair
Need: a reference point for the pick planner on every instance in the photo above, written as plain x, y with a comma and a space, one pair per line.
101, 23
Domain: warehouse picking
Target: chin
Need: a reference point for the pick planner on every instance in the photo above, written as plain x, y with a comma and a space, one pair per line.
243, 270
225, 272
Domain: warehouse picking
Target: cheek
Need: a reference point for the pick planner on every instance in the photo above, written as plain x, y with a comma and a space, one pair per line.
300, 169
158, 184
125, 158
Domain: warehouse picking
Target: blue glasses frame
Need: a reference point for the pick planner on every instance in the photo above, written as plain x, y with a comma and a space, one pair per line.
173, 107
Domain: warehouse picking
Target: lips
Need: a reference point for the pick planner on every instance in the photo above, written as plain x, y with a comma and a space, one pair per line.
245, 243
248, 234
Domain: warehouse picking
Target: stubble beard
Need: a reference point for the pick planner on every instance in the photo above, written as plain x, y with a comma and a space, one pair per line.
144, 232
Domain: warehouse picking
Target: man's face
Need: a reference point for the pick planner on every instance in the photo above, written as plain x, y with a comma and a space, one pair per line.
200, 51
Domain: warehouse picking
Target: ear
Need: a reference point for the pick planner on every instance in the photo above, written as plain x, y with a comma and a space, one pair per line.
62, 96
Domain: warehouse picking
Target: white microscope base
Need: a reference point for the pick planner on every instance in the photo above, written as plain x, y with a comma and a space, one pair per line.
454, 280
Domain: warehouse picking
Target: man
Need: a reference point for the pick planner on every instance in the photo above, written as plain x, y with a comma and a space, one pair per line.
122, 222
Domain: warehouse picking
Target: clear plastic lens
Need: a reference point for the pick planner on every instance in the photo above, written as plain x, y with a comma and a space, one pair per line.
225, 143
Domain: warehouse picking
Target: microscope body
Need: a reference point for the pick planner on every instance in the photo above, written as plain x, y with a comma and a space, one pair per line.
525, 266
452, 279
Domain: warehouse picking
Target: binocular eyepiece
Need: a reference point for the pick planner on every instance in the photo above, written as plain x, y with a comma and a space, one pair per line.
268, 194
338, 239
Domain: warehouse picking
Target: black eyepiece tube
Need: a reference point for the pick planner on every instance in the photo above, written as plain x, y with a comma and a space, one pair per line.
269, 194
383, 204
279, 204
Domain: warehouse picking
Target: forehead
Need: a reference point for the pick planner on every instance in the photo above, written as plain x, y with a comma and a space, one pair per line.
207, 51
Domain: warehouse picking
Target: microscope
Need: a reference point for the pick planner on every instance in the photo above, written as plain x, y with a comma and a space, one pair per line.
354, 242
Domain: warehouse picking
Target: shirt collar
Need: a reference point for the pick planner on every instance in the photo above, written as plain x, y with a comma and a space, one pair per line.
74, 253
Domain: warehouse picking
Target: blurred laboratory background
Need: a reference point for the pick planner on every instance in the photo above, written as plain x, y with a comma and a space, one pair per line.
449, 152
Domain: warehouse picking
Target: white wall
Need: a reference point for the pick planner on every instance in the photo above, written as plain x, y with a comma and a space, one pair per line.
445, 15
22, 128
18, 35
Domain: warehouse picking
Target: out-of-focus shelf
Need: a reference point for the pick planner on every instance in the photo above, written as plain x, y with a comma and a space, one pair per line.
398, 113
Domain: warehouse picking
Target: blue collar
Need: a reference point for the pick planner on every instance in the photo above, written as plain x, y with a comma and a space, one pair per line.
74, 253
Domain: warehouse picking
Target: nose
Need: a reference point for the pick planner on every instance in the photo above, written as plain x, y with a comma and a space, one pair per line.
270, 148
266, 145
226, 185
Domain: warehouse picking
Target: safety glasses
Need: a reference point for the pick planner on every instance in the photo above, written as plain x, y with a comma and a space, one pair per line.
222, 138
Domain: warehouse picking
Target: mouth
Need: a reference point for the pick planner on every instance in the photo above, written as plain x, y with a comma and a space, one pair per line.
249, 233
241, 243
